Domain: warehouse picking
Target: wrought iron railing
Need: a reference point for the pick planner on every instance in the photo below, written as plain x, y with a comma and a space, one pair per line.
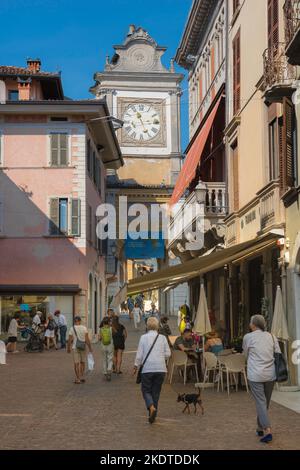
277, 70
292, 19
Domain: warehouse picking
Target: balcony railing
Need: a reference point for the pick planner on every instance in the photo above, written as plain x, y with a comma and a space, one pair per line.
278, 73
215, 208
292, 30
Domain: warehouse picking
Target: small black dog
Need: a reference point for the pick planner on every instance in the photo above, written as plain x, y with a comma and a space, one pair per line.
191, 399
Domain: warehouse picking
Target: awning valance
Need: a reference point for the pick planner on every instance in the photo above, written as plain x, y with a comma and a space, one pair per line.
194, 155
175, 275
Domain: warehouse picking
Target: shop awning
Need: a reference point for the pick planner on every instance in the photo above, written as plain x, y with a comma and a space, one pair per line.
194, 155
175, 275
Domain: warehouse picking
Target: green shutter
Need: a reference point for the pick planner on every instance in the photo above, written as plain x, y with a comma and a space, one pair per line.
63, 149
54, 216
75, 218
54, 149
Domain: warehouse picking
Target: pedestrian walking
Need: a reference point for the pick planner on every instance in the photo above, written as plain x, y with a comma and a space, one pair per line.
259, 347
119, 335
78, 341
137, 315
62, 327
13, 334
106, 339
153, 352
50, 332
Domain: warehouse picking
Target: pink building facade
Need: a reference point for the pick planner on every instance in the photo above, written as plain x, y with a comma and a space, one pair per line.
53, 160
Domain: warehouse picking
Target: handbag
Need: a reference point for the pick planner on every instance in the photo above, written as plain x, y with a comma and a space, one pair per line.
280, 366
139, 374
80, 345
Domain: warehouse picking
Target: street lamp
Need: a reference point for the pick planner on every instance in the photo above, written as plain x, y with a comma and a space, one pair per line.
200, 191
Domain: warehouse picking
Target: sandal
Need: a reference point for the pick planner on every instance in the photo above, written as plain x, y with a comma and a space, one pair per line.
77, 382
82, 381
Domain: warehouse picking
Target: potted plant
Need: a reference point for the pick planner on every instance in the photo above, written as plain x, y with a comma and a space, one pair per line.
237, 343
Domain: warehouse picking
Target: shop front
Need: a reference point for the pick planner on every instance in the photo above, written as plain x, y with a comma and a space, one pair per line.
27, 300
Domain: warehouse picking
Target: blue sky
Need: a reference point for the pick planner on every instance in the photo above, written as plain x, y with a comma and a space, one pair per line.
74, 36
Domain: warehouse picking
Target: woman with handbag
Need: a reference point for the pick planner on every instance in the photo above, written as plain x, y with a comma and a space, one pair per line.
50, 332
261, 348
150, 363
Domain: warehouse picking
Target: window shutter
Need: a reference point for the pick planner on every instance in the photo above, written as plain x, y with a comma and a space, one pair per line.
75, 217
273, 26
286, 146
288, 149
63, 149
54, 149
236, 73
54, 216
89, 223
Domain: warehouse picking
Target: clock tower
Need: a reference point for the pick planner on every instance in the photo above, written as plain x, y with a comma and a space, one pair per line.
145, 95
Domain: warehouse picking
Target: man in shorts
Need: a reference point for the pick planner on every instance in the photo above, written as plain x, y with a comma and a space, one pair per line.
79, 333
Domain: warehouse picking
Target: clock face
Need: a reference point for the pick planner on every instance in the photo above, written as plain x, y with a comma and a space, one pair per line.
141, 122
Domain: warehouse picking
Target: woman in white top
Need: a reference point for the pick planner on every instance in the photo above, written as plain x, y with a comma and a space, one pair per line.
259, 347
137, 314
154, 369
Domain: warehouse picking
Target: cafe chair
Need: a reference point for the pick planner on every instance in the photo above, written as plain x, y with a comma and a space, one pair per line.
211, 365
181, 360
232, 366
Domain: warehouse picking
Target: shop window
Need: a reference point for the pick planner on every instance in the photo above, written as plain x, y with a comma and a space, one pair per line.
64, 216
58, 149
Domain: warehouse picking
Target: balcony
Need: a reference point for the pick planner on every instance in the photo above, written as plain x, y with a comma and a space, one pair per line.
270, 207
292, 31
279, 75
188, 217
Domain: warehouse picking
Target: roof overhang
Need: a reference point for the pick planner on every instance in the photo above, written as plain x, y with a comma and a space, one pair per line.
102, 129
195, 30
39, 289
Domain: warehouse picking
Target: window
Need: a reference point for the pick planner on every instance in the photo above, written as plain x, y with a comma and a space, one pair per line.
64, 216
235, 175
237, 73
273, 26
88, 156
59, 149
58, 118
89, 222
273, 150
13, 95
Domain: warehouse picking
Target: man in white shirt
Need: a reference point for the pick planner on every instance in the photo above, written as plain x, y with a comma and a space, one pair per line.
61, 322
36, 321
79, 333
154, 369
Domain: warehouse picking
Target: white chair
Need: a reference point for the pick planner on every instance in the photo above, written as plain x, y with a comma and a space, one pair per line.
211, 365
180, 359
231, 366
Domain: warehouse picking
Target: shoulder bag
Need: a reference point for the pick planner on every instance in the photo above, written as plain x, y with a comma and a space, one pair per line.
80, 345
139, 374
280, 366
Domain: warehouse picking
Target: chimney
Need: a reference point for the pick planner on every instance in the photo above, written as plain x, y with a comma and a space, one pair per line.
34, 65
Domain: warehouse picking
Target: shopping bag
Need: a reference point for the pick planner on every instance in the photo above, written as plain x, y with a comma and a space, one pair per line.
2, 353
91, 362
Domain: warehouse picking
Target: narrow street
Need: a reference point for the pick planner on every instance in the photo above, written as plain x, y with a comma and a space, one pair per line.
41, 408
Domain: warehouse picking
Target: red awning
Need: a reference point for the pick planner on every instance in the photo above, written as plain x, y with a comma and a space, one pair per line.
194, 155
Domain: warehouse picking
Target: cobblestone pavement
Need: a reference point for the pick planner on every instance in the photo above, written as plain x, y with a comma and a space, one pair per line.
41, 408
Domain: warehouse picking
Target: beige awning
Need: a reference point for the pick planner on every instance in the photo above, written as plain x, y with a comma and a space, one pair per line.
175, 275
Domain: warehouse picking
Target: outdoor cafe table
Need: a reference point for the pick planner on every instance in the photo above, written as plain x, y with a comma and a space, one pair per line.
199, 353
